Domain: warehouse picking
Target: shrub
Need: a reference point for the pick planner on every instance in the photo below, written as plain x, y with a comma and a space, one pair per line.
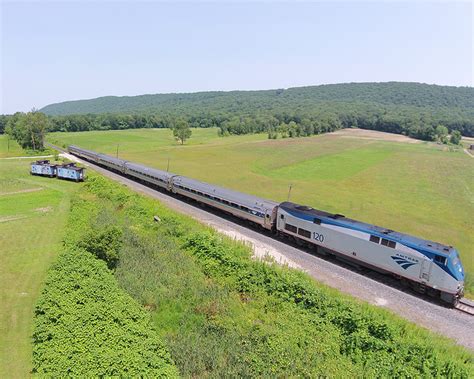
104, 244
86, 326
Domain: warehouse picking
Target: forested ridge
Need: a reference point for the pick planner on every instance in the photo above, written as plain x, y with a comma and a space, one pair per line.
427, 112
391, 93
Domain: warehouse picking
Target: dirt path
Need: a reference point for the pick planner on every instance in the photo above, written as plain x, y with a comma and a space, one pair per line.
373, 135
468, 153
32, 157
28, 190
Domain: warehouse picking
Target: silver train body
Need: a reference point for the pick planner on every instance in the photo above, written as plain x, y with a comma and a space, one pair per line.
429, 266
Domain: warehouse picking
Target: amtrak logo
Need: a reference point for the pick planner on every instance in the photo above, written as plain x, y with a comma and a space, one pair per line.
404, 263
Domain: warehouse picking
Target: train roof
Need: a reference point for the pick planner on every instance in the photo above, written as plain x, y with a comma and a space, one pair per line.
68, 167
106, 157
338, 219
81, 149
150, 170
240, 198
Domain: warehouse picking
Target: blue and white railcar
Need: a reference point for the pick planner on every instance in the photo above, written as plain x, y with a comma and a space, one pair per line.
71, 172
150, 175
429, 264
247, 207
43, 168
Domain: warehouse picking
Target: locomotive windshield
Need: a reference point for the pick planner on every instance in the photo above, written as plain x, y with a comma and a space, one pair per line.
456, 265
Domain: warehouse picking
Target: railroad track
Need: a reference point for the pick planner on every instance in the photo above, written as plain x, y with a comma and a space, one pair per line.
466, 306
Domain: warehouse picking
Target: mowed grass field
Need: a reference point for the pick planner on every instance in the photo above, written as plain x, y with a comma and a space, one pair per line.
33, 212
419, 188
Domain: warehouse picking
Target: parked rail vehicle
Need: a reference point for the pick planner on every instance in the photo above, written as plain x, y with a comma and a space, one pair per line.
43, 168
428, 266
67, 171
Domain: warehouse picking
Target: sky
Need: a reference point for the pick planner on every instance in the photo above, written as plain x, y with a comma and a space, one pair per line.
63, 50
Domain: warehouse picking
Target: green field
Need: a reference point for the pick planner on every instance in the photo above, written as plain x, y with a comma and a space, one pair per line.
33, 212
423, 189
10, 148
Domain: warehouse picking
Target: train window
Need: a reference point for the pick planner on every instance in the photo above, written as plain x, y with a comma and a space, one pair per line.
234, 205
440, 259
374, 239
282, 217
388, 243
291, 228
304, 233
317, 221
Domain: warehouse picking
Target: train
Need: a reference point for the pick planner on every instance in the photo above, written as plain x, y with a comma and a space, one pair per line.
68, 171
426, 266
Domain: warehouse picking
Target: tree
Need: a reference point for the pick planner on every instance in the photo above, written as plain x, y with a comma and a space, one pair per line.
455, 137
181, 130
442, 133
28, 129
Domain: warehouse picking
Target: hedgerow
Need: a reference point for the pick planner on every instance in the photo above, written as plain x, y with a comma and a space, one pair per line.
85, 325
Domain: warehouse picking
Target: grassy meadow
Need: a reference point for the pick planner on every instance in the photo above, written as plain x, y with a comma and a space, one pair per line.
33, 213
10, 148
419, 188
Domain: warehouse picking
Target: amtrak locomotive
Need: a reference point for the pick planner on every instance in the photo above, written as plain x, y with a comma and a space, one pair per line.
427, 266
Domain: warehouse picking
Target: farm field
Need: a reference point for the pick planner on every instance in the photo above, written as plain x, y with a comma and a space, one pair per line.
33, 212
413, 187
10, 148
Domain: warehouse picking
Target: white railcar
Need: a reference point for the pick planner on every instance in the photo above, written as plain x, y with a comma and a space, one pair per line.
247, 207
150, 175
83, 153
115, 164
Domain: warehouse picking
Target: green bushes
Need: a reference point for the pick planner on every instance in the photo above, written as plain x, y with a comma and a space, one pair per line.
104, 244
85, 325
382, 345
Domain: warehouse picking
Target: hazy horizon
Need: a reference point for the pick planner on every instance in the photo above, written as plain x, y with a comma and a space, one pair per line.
57, 52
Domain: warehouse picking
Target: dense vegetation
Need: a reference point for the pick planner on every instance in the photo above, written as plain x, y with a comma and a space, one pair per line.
223, 314
85, 325
412, 109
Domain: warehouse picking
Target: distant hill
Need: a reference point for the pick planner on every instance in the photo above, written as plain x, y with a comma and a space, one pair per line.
389, 94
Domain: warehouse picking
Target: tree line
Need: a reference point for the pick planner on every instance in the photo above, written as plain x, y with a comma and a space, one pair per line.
424, 124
